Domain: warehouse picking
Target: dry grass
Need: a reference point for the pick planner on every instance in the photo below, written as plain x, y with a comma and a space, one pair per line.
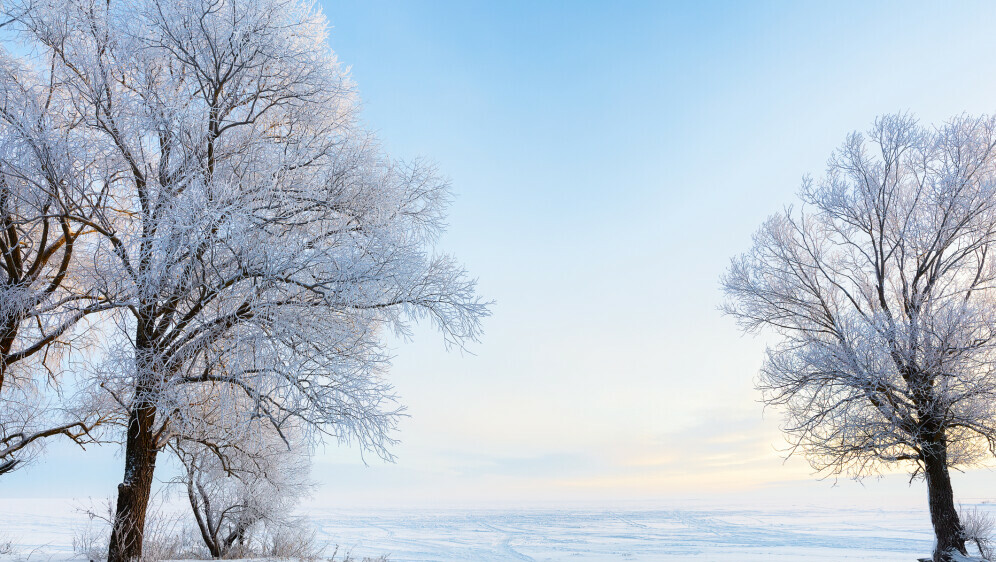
167, 538
164, 536
6, 546
347, 557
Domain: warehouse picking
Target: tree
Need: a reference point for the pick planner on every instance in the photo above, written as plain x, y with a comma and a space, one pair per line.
45, 187
239, 490
882, 291
254, 240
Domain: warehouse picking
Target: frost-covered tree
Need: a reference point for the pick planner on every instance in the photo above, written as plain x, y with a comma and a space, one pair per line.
45, 185
882, 291
255, 240
244, 488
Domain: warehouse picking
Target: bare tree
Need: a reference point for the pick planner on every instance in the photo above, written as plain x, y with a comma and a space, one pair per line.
882, 290
45, 187
254, 239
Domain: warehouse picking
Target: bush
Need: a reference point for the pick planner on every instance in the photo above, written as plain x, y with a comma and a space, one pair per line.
293, 539
977, 528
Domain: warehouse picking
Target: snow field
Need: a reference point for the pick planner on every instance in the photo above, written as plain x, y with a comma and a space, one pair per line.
44, 530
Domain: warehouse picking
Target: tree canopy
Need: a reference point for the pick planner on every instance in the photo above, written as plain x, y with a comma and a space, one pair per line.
882, 291
248, 242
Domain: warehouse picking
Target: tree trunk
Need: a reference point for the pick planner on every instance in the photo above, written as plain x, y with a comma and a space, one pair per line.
943, 515
203, 521
134, 491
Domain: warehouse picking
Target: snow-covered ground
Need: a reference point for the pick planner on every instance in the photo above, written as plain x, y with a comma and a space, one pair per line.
44, 530
740, 535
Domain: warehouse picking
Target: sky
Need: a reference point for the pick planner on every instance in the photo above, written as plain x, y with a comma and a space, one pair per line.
607, 160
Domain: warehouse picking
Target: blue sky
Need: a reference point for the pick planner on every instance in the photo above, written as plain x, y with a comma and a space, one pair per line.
607, 160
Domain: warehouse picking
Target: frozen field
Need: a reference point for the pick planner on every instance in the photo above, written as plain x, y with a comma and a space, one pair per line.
809, 534
44, 531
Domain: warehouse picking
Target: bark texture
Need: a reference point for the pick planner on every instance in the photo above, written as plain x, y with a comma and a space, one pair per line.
943, 514
135, 490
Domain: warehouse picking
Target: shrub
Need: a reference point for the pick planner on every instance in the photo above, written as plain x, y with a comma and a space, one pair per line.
977, 528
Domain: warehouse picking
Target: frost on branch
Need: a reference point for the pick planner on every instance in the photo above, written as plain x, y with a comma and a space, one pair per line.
46, 193
254, 241
243, 491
